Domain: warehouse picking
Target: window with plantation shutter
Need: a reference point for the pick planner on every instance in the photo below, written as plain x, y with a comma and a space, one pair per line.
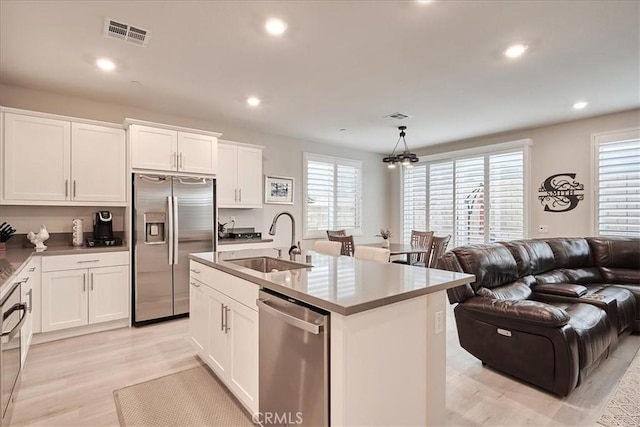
618, 184
474, 196
414, 207
332, 195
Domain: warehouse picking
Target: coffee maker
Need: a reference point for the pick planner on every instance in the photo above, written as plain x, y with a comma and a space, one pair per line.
103, 231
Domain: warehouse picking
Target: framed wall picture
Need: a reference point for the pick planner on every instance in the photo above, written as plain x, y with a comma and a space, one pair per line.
278, 189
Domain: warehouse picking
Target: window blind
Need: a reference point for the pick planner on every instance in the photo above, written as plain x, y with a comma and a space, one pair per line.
475, 199
414, 200
333, 195
618, 188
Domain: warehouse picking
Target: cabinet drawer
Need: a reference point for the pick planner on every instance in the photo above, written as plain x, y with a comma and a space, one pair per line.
238, 289
89, 260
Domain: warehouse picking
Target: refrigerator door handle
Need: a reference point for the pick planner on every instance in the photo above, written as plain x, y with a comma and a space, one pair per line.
175, 229
170, 237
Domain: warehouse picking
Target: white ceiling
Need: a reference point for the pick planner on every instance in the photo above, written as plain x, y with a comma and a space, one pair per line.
341, 64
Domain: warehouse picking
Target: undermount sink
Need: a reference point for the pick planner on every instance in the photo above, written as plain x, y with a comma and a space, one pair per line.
265, 264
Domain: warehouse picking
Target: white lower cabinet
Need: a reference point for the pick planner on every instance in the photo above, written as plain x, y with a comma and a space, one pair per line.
30, 293
74, 295
224, 329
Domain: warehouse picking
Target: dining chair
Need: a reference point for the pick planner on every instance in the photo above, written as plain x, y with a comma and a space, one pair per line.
438, 248
423, 239
339, 233
372, 254
327, 247
347, 244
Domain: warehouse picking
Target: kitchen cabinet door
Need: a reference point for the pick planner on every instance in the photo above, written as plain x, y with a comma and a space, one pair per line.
98, 163
197, 153
243, 354
198, 317
36, 158
217, 353
226, 179
153, 148
108, 293
64, 299
249, 171
239, 179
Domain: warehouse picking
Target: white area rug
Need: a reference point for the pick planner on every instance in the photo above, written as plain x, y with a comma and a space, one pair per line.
194, 397
624, 407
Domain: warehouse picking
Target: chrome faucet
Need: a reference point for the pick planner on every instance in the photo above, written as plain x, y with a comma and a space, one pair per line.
293, 250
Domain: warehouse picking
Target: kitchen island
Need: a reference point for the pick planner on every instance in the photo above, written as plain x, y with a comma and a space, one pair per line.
387, 337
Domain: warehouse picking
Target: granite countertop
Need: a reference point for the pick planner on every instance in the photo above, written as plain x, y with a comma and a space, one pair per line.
343, 285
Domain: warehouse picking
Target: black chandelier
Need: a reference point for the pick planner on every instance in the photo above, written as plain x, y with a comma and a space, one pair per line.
406, 158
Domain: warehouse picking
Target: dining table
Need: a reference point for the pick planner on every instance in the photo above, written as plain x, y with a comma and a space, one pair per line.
400, 249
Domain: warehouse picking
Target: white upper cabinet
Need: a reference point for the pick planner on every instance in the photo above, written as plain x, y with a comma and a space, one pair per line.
98, 163
36, 161
172, 150
239, 179
60, 162
153, 148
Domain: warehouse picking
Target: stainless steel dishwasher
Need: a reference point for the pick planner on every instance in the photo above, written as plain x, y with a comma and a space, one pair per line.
294, 362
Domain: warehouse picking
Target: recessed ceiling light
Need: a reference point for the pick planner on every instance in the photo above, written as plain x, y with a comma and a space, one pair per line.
425, 1
253, 101
580, 105
105, 64
516, 50
275, 27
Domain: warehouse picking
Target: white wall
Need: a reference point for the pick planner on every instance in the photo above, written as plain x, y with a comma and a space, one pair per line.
282, 156
57, 219
560, 148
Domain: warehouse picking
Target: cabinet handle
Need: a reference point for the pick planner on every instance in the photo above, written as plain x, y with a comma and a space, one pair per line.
30, 300
240, 193
195, 284
222, 317
235, 197
180, 160
91, 279
66, 188
74, 189
32, 269
90, 260
226, 319
84, 282
193, 270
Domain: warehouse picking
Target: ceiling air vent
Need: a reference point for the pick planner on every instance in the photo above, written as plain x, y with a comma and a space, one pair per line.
396, 116
126, 32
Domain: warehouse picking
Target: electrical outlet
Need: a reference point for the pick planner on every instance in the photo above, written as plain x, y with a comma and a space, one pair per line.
439, 321
543, 229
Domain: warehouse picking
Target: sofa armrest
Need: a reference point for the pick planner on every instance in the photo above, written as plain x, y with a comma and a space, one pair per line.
562, 289
533, 312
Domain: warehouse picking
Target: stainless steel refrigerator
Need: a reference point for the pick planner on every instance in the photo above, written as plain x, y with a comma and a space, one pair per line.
173, 217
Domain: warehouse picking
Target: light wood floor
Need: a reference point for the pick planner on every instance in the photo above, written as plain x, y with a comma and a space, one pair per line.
71, 382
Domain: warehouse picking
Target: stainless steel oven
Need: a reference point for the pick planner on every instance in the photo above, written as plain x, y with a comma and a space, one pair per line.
14, 313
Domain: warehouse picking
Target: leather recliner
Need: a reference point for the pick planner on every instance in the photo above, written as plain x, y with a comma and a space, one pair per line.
546, 311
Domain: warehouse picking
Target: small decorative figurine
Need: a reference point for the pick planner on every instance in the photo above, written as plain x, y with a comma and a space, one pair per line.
39, 238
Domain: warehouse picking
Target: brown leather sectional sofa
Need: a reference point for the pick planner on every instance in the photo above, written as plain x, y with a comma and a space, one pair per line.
546, 311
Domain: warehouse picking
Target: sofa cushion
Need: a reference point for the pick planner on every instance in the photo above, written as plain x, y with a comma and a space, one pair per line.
571, 253
553, 276
615, 252
493, 265
626, 304
514, 291
582, 275
541, 256
592, 328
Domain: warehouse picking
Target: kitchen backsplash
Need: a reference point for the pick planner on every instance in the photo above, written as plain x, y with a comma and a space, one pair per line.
244, 218
57, 219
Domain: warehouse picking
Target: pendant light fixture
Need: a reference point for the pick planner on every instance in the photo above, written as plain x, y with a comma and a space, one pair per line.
406, 158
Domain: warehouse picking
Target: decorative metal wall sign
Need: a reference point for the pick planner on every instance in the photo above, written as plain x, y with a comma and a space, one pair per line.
560, 192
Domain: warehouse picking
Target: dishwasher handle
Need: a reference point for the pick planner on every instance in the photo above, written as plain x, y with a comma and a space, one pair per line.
291, 320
